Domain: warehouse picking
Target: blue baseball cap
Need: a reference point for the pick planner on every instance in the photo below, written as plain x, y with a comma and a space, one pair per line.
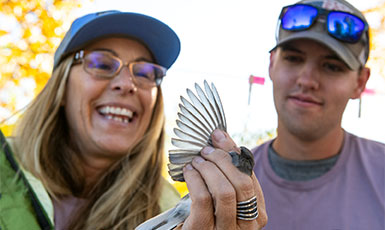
355, 55
159, 38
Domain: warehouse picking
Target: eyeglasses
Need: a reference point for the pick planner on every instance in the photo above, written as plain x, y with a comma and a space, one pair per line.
343, 26
103, 64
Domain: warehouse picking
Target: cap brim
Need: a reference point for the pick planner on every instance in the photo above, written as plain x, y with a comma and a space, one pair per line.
160, 39
338, 47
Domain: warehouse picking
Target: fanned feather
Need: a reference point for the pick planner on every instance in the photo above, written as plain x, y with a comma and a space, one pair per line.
211, 109
219, 105
194, 118
198, 113
191, 128
180, 143
196, 121
203, 108
188, 136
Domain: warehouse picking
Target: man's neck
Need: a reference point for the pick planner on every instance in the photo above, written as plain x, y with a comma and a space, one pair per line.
292, 147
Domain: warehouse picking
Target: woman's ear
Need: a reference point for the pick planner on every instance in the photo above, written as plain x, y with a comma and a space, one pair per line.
363, 77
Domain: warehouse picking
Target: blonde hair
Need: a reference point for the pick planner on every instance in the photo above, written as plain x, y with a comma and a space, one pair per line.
126, 194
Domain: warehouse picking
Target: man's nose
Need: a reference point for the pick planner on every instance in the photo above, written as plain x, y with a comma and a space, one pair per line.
308, 77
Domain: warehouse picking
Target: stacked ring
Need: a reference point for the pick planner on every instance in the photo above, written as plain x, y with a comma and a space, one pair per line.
248, 209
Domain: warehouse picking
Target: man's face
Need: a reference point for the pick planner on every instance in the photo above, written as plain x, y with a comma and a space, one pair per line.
311, 88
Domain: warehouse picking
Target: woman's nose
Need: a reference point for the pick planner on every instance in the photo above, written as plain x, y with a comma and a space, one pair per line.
124, 81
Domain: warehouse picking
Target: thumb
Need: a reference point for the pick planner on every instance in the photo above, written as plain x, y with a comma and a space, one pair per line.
223, 141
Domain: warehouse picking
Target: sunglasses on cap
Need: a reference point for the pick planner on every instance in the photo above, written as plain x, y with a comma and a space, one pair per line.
103, 64
341, 25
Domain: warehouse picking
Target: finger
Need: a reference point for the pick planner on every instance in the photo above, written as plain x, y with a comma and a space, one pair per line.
241, 182
221, 191
223, 141
201, 212
262, 215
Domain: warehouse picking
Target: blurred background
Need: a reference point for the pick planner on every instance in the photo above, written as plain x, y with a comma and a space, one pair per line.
223, 41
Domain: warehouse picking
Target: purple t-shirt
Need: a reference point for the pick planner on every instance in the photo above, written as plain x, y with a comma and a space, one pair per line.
348, 197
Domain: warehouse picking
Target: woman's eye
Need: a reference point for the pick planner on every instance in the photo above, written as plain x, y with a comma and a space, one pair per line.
141, 75
102, 66
147, 75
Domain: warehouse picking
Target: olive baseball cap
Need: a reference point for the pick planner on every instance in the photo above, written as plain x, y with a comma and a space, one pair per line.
159, 38
355, 55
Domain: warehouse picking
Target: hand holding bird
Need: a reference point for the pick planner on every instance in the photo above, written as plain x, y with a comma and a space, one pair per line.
207, 159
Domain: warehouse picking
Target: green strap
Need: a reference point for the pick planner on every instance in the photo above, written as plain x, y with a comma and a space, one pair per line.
42, 219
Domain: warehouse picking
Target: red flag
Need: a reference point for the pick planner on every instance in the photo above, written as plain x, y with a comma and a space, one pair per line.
256, 80
369, 91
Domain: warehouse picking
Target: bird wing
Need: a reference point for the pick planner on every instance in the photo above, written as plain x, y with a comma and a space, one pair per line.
197, 119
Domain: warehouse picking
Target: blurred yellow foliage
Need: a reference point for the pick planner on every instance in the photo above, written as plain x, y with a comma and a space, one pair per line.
30, 31
181, 187
377, 34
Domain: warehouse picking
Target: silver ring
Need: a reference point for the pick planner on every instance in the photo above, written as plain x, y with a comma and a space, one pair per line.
248, 209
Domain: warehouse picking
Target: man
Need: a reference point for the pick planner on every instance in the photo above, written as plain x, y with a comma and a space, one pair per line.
314, 174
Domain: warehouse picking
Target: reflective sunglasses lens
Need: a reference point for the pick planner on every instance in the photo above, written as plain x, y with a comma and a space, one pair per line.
298, 17
101, 64
148, 73
345, 27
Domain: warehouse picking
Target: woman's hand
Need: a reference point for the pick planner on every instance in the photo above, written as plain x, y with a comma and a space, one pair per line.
216, 186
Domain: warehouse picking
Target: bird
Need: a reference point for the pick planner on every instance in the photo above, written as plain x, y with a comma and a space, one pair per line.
197, 119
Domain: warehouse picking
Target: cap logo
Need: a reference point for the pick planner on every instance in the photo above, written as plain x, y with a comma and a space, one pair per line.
335, 5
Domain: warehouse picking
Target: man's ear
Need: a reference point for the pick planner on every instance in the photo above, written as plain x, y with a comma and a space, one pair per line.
272, 58
363, 77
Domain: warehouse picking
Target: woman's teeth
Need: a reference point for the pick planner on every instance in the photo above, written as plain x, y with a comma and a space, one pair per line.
117, 113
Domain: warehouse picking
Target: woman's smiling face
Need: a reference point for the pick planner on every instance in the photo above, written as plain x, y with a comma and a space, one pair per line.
107, 117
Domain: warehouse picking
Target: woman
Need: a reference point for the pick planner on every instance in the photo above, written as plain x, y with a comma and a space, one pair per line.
91, 144
94, 135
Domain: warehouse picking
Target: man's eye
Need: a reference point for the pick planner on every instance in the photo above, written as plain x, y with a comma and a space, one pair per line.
333, 67
293, 58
